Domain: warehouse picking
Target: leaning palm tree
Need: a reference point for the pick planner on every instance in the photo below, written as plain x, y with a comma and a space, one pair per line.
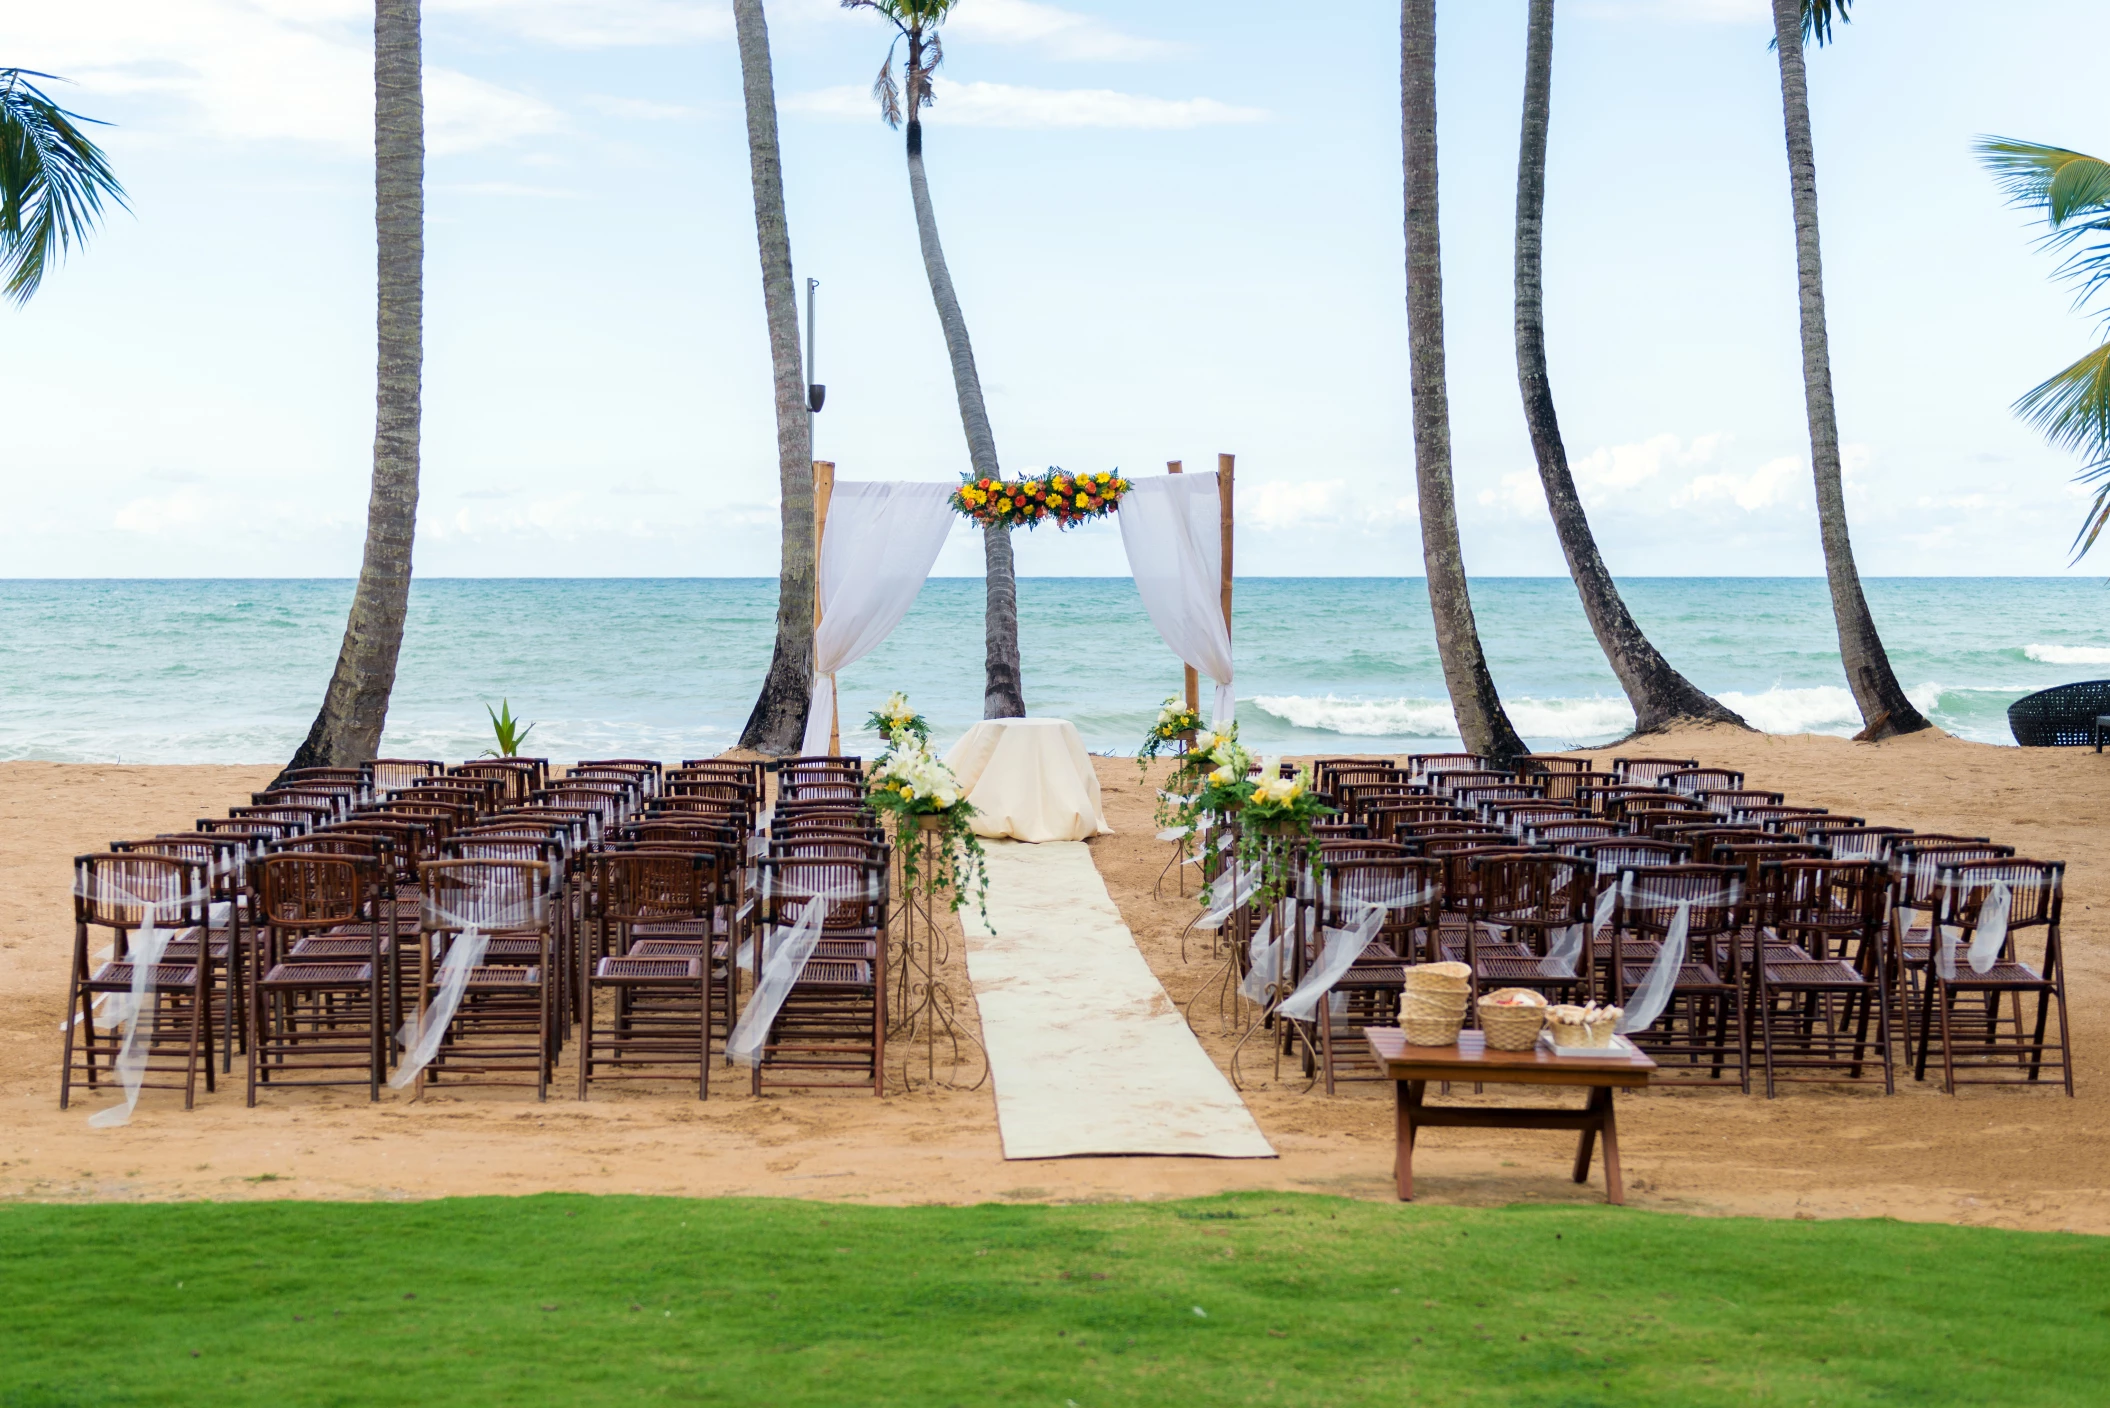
1660, 695
2073, 407
347, 729
778, 722
1885, 711
916, 25
52, 183
1482, 724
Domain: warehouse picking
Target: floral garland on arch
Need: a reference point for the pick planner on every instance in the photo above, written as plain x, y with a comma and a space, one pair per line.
915, 790
1068, 499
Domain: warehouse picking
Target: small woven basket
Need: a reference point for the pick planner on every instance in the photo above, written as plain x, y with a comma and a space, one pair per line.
1430, 1031
1511, 1028
1431, 1018
1439, 978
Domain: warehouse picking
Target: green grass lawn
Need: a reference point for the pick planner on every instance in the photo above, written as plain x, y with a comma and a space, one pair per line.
1263, 1299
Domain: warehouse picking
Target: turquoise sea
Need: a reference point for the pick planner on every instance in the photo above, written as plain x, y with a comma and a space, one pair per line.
231, 671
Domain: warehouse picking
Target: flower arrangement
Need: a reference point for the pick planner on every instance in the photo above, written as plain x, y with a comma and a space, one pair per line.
895, 721
1068, 499
1175, 722
1274, 814
919, 793
1275, 830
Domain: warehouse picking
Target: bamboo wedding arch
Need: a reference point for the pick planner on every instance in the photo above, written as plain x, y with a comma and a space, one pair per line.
1200, 637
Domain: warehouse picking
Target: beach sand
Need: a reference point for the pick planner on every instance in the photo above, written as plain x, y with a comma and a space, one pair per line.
2005, 1157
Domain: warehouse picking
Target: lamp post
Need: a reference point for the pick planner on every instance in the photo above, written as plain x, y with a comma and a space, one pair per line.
816, 394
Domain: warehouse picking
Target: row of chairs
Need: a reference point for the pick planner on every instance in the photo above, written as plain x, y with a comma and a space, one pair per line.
473, 919
1811, 938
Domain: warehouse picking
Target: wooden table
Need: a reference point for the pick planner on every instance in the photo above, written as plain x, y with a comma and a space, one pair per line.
1413, 1067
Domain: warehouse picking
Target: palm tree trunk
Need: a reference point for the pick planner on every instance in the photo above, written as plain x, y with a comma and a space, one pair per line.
778, 723
1482, 724
1003, 689
1660, 695
1885, 710
347, 730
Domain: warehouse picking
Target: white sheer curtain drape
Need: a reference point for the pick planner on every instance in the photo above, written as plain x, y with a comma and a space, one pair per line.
879, 545
1172, 527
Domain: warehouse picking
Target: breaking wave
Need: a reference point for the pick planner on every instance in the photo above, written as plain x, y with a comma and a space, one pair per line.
1811, 709
2068, 654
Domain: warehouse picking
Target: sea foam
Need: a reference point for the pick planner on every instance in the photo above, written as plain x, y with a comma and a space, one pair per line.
2068, 654
1810, 709
1590, 717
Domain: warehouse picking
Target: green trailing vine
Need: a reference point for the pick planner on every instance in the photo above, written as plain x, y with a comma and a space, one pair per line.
1271, 816
919, 794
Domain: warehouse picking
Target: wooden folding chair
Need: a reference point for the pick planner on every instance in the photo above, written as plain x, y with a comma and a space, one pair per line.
126, 894
1979, 1017
318, 1016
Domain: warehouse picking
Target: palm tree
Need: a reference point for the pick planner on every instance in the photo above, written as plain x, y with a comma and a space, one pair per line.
1482, 724
779, 719
2073, 407
1885, 711
52, 183
347, 729
916, 24
1660, 695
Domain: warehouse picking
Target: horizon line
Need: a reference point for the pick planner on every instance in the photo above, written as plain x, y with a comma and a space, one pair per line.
1121, 577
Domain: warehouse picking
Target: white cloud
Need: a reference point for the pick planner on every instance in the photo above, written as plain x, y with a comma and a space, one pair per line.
157, 515
1621, 467
1519, 493
597, 24
1290, 505
1691, 11
464, 113
1670, 472
643, 109
1063, 34
1771, 483
296, 70
504, 188
1007, 105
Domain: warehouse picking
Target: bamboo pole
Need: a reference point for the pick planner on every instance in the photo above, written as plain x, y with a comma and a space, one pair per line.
1225, 500
1194, 683
823, 490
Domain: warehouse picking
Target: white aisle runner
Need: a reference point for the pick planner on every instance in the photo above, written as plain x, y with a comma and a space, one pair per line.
1088, 1053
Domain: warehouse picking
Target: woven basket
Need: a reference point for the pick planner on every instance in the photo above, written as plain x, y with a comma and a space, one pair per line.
1439, 978
1581, 1036
1430, 1032
1511, 1028
1432, 1018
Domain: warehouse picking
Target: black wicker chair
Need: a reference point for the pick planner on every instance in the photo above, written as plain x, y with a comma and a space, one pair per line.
2066, 716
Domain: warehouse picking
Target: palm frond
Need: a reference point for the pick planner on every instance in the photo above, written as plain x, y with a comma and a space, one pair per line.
2072, 409
2065, 183
52, 183
886, 92
1817, 17
2098, 512
2072, 189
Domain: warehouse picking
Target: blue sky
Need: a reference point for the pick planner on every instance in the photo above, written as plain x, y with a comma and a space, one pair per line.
1175, 229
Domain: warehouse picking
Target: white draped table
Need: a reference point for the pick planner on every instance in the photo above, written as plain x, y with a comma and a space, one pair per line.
1029, 780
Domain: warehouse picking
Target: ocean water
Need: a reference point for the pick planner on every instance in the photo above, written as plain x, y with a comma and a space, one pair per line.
232, 671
